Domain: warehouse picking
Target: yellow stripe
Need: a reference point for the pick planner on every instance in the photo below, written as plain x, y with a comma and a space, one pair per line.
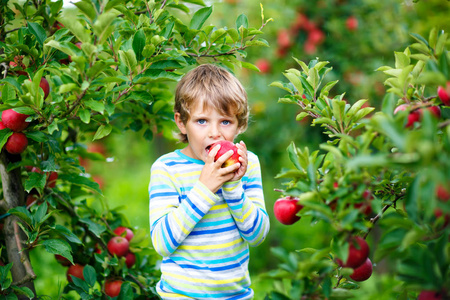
204, 196
172, 295
209, 281
180, 225
210, 247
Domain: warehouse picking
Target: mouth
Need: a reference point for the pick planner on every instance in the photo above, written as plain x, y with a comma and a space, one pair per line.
208, 148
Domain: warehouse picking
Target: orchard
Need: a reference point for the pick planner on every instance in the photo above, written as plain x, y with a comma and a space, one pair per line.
349, 104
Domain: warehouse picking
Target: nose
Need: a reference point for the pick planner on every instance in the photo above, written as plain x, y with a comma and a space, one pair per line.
214, 132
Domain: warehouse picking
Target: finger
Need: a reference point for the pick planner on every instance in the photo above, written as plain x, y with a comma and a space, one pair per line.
213, 152
231, 169
224, 157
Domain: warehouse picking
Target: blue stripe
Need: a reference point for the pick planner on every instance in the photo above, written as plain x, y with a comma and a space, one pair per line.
176, 259
174, 163
169, 232
166, 194
214, 269
166, 288
224, 229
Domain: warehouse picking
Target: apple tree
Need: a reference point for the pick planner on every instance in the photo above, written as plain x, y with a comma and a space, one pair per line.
381, 181
72, 77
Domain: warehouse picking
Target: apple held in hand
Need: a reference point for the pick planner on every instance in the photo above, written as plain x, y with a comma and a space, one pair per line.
363, 272
226, 146
118, 245
286, 209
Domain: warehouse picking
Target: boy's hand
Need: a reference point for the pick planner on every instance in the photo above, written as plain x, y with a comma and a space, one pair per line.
243, 159
213, 176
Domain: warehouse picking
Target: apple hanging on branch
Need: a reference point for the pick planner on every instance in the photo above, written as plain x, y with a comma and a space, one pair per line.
286, 209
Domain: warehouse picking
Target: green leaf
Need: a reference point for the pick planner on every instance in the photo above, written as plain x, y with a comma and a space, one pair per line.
68, 234
241, 20
35, 180
233, 33
58, 246
200, 17
139, 44
21, 291
103, 26
37, 136
38, 32
95, 105
102, 131
85, 115
23, 213
80, 181
87, 8
90, 276
77, 29
128, 58
95, 228
293, 155
4, 135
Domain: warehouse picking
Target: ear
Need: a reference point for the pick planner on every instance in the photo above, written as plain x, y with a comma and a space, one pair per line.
180, 123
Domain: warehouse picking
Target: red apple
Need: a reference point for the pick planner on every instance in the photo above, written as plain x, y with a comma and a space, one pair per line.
309, 47
444, 94
2, 126
351, 23
430, 295
263, 65
45, 87
226, 146
112, 287
439, 213
51, 180
316, 36
14, 120
75, 270
435, 111
31, 199
118, 245
286, 209
120, 230
284, 38
358, 252
442, 193
130, 259
62, 260
16, 143
365, 207
363, 272
18, 62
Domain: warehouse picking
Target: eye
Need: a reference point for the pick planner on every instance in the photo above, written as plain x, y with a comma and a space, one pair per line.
201, 121
226, 122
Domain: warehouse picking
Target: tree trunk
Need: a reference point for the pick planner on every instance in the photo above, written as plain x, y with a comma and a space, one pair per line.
14, 195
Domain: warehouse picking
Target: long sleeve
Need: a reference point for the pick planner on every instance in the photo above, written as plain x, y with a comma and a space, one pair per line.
246, 202
171, 219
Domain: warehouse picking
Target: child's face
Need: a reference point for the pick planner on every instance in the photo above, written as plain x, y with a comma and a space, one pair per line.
205, 127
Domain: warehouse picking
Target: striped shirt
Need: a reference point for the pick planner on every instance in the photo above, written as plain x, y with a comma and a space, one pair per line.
202, 236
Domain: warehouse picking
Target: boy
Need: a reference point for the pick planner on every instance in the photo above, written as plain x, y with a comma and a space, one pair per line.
203, 216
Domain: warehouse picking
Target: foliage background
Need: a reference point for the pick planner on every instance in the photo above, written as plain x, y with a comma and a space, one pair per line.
383, 27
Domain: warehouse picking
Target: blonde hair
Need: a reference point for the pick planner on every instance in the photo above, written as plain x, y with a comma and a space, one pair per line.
212, 87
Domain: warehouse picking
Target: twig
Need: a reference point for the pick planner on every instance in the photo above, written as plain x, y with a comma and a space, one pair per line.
378, 216
25, 260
